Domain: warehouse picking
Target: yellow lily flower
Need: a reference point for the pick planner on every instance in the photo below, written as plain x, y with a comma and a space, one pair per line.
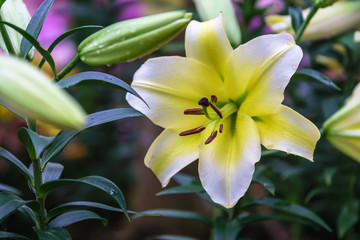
239, 92
327, 22
343, 127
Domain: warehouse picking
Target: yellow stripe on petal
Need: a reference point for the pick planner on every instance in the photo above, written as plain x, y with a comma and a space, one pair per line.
170, 153
170, 85
226, 165
207, 42
288, 131
259, 71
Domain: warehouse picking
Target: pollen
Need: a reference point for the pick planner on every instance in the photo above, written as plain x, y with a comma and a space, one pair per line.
293, 66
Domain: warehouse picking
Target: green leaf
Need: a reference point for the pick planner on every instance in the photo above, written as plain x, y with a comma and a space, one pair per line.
266, 183
52, 172
96, 78
29, 213
33, 142
36, 44
71, 206
329, 174
226, 229
186, 180
94, 119
176, 214
348, 217
69, 218
2, 2
63, 36
296, 17
171, 237
95, 181
7, 188
310, 74
35, 25
57, 233
17, 163
319, 190
10, 235
182, 190
9, 203
288, 207
255, 217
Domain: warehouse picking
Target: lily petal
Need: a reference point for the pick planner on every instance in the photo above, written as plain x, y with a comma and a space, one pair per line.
259, 71
288, 131
207, 42
169, 85
226, 165
170, 153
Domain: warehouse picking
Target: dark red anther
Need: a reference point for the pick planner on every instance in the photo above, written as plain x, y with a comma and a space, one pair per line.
192, 131
216, 110
204, 102
194, 111
221, 128
213, 99
211, 138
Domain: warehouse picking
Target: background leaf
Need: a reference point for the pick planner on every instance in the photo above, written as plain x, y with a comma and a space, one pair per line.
310, 74
348, 217
10, 235
17, 163
7, 188
296, 17
53, 234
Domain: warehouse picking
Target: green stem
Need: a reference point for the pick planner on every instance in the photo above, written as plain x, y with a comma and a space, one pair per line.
300, 32
41, 200
67, 69
5, 35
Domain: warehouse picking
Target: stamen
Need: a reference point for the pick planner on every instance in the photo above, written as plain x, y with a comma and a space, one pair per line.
218, 112
194, 111
221, 128
204, 102
192, 131
213, 99
211, 138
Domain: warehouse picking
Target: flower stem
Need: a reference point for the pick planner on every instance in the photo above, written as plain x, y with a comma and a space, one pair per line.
41, 200
67, 69
303, 26
5, 35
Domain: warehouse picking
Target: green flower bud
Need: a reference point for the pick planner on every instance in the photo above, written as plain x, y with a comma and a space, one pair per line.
29, 92
15, 12
209, 9
323, 3
131, 39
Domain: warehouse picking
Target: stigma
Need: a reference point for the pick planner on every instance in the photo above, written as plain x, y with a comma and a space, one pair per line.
215, 116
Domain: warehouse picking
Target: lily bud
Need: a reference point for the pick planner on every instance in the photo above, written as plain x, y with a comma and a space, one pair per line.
209, 9
342, 129
30, 93
15, 12
327, 22
131, 39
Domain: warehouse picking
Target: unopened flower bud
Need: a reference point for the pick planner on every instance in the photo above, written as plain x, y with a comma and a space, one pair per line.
131, 39
342, 129
30, 93
15, 12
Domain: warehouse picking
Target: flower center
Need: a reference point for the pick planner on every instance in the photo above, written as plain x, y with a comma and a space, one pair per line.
216, 115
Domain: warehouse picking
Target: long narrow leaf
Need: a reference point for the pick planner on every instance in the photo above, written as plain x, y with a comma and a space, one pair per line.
35, 25
10, 235
94, 119
17, 163
97, 78
69, 218
9, 203
95, 181
57, 233
63, 36
36, 44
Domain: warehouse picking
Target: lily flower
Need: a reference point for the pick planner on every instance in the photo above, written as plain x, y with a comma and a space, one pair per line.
219, 105
342, 129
